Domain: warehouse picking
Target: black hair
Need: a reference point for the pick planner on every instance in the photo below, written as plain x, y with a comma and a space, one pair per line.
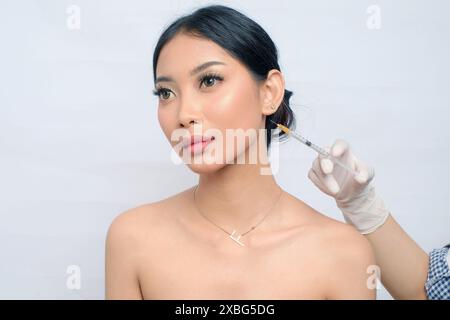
242, 38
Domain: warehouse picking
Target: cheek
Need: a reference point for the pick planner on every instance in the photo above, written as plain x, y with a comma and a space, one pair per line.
234, 107
166, 121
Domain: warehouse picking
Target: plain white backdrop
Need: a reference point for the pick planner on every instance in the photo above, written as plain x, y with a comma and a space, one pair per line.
80, 141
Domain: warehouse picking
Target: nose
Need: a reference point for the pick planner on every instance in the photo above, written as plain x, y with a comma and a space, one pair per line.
187, 115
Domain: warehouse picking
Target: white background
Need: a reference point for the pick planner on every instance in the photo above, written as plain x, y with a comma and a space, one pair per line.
80, 141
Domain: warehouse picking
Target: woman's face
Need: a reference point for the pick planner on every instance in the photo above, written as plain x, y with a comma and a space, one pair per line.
231, 101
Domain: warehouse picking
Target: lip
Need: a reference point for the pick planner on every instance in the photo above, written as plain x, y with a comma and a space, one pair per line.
196, 144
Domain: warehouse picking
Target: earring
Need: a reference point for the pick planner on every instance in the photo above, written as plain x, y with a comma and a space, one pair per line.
273, 107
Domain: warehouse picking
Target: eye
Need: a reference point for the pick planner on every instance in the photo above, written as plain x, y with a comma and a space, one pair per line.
161, 92
210, 79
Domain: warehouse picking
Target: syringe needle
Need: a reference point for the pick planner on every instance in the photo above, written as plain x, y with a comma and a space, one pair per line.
318, 149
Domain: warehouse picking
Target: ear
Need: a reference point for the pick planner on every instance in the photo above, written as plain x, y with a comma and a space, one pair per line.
272, 92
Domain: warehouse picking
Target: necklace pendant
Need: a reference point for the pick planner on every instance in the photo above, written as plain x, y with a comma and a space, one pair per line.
236, 238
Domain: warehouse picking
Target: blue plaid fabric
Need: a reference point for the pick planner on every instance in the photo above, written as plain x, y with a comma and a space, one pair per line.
438, 280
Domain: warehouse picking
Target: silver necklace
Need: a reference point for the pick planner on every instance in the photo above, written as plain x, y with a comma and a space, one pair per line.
235, 236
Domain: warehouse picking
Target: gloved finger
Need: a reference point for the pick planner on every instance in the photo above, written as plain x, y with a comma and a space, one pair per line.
317, 168
339, 147
326, 165
365, 172
327, 180
331, 184
313, 177
318, 182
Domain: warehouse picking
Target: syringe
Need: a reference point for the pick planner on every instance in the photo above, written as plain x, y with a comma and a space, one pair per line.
321, 151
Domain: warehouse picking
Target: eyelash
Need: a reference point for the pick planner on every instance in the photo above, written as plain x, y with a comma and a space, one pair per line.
202, 78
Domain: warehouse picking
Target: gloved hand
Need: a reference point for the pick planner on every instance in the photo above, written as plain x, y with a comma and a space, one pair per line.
355, 196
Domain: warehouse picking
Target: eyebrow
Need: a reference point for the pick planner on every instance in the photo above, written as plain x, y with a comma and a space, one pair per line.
194, 71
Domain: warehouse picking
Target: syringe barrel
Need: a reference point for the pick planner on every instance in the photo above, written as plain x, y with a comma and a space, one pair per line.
310, 144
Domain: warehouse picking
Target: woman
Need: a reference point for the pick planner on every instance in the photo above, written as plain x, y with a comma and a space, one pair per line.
237, 234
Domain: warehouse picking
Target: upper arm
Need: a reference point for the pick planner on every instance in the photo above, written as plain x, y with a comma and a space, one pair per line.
353, 272
121, 256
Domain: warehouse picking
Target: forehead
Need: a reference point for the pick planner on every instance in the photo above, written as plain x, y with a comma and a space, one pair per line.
184, 52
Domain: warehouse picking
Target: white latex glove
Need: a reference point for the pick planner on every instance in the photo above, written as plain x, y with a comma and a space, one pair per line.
356, 197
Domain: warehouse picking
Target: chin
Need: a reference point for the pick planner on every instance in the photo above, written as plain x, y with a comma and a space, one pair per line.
204, 168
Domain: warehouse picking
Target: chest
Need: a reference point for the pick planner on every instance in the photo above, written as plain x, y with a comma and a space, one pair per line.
188, 271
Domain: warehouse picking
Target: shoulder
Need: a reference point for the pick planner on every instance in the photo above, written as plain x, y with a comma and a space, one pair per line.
351, 270
125, 249
126, 232
324, 230
129, 221
338, 237
335, 238
345, 245
131, 225
344, 257
134, 225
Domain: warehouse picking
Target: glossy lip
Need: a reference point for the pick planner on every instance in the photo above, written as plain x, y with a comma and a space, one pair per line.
190, 140
196, 144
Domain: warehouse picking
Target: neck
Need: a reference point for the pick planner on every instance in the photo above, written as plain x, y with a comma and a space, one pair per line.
238, 196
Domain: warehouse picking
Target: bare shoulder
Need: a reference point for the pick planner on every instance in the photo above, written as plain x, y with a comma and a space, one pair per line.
335, 237
323, 228
345, 255
135, 224
126, 248
345, 246
349, 263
